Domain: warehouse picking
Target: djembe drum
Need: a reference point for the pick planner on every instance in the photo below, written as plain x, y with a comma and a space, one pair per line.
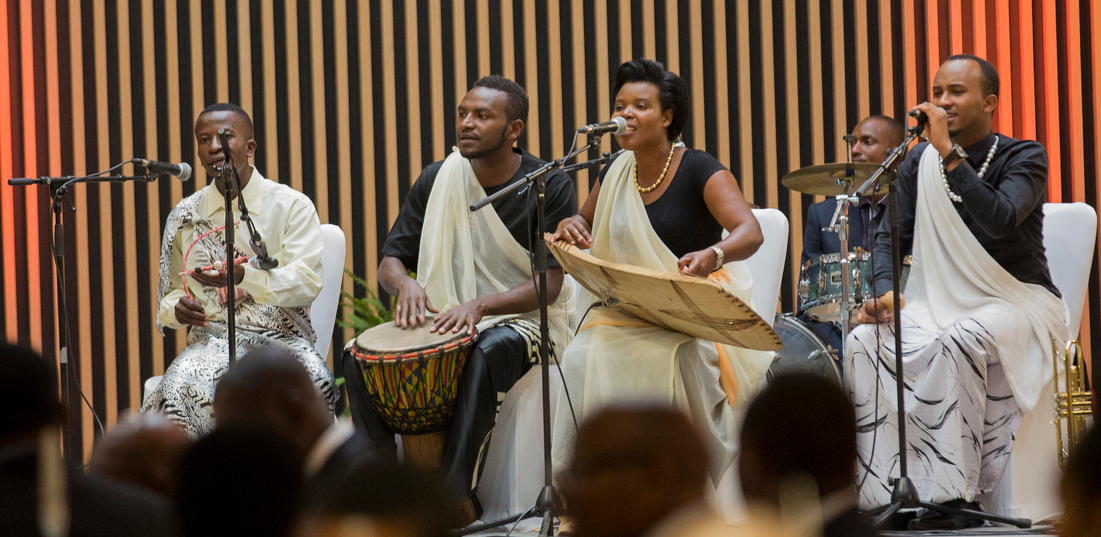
412, 379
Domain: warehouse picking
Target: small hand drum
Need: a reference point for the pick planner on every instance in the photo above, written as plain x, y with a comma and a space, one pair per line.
412, 375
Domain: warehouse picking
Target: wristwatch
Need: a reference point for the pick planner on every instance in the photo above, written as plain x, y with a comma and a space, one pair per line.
957, 153
718, 258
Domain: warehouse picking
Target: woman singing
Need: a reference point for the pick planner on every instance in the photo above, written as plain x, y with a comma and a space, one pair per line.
664, 207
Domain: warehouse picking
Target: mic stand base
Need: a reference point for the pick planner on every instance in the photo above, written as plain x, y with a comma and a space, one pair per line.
905, 496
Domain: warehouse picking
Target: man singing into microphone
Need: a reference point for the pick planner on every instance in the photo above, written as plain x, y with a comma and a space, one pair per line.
271, 305
474, 270
981, 308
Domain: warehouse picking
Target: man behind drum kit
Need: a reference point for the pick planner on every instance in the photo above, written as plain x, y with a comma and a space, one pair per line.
872, 139
473, 270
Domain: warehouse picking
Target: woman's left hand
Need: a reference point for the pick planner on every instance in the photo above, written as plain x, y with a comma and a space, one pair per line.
700, 263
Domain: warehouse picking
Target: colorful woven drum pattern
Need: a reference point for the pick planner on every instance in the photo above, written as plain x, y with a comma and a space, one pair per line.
412, 376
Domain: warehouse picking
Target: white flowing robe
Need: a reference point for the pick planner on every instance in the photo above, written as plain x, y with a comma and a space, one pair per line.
975, 345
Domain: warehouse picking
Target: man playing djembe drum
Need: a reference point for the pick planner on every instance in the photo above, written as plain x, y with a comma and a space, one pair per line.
473, 270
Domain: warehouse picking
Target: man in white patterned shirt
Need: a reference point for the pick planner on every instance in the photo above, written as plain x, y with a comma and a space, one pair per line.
271, 305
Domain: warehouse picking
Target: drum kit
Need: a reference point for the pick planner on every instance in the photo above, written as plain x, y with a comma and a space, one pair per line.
833, 285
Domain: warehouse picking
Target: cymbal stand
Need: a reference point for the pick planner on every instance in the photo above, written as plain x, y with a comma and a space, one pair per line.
840, 224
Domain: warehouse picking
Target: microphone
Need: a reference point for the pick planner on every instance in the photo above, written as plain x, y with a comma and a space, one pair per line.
616, 125
156, 167
223, 140
920, 116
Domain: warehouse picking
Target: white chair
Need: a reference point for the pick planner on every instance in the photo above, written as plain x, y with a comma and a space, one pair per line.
323, 309
1029, 486
767, 264
767, 267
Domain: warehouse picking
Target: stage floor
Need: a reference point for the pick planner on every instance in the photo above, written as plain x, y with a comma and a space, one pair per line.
530, 527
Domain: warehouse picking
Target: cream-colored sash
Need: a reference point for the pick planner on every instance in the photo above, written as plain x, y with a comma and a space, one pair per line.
622, 233
465, 255
952, 276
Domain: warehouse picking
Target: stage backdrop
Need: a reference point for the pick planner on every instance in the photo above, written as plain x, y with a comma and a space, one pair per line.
351, 99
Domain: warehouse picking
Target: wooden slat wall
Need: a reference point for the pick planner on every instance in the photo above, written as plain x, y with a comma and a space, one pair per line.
352, 98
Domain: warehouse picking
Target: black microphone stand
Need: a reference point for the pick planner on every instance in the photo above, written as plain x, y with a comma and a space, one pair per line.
548, 500
904, 495
262, 259
227, 177
605, 158
67, 356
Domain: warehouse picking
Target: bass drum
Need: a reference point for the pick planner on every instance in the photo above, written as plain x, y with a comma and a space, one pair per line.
803, 352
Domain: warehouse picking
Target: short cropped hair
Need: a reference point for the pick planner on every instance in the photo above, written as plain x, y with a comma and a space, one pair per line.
894, 129
228, 107
672, 90
516, 107
990, 81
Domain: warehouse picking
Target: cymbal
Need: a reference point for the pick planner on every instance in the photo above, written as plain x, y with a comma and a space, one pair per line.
832, 179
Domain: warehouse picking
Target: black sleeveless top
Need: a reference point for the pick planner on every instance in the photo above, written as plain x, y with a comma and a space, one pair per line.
680, 216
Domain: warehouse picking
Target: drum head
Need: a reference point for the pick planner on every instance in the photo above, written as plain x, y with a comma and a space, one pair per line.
803, 352
388, 339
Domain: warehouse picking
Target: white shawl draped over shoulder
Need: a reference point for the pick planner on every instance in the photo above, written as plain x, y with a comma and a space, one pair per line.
466, 255
622, 233
953, 276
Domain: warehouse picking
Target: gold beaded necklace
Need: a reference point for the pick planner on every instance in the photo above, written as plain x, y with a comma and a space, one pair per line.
634, 171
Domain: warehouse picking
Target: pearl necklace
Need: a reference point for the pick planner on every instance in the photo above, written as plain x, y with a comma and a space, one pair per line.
982, 171
634, 172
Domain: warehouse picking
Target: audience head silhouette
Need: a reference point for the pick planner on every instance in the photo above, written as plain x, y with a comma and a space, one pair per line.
632, 466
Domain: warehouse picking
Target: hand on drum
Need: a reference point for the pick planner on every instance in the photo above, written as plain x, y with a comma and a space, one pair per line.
574, 230
698, 263
412, 304
464, 315
880, 310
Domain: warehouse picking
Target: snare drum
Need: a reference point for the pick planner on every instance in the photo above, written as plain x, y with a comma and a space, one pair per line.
820, 284
412, 375
803, 351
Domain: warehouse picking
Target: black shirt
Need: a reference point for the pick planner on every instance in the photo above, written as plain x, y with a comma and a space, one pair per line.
680, 217
1004, 209
404, 239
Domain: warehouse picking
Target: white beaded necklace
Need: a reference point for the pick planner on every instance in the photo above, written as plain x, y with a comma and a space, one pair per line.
982, 172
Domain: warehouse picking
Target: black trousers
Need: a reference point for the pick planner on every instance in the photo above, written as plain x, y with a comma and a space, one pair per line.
500, 357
